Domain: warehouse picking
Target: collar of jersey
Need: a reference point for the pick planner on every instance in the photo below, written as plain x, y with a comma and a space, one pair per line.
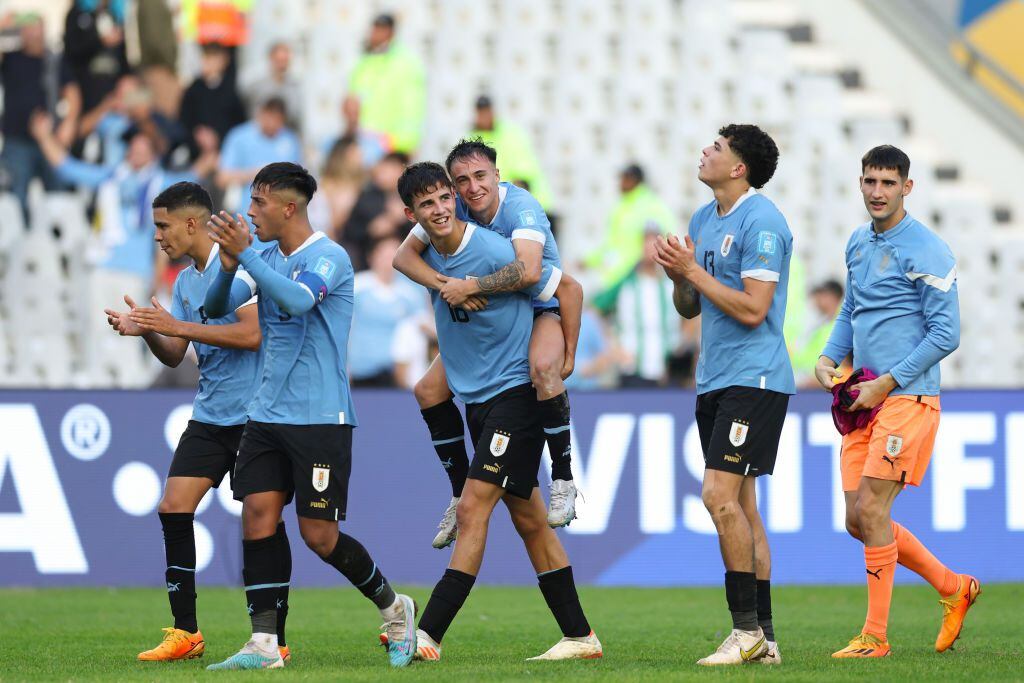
894, 230
751, 192
309, 240
502, 193
470, 227
214, 250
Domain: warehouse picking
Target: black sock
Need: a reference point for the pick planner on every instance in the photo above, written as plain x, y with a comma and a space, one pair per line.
741, 594
351, 559
261, 571
180, 550
764, 608
445, 602
284, 560
448, 436
554, 415
559, 591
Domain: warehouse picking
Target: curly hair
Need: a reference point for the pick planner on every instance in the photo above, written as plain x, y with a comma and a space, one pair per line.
755, 148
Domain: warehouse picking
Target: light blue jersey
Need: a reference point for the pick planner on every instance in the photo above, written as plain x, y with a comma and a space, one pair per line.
484, 352
751, 241
305, 307
519, 216
227, 377
379, 308
901, 313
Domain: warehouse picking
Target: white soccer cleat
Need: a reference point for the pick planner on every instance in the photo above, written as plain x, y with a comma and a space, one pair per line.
739, 647
588, 647
562, 506
772, 655
447, 530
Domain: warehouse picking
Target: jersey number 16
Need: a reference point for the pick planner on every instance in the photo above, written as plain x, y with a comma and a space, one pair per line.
459, 315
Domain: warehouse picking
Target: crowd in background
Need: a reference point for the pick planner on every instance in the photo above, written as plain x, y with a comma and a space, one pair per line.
116, 117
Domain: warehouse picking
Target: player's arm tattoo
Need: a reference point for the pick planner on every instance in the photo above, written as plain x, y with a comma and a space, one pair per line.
686, 299
508, 279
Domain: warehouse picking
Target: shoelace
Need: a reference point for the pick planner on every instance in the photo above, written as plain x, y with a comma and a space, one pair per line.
170, 634
731, 641
394, 628
948, 605
448, 511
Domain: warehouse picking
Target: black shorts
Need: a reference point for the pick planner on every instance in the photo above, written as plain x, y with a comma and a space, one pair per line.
311, 462
206, 450
740, 429
508, 438
554, 310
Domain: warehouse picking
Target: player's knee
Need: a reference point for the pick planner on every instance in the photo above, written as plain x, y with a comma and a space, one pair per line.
869, 511
172, 504
853, 527
320, 541
258, 521
721, 506
468, 514
427, 393
545, 373
528, 525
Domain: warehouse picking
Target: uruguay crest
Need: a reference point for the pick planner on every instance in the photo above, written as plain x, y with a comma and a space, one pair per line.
499, 443
738, 433
321, 476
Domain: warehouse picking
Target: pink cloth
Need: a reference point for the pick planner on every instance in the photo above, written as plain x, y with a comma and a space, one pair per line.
843, 397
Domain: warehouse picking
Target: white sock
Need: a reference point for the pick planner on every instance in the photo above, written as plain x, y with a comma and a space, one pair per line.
394, 611
266, 642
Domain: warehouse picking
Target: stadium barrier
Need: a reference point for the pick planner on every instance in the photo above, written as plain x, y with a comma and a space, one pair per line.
81, 475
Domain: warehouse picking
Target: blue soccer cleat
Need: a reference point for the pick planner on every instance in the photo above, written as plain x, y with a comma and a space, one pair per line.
250, 657
401, 633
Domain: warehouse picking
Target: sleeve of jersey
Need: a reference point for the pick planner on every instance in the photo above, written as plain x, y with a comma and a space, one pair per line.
295, 297
840, 340
531, 223
550, 277
936, 285
763, 254
227, 292
419, 233
177, 308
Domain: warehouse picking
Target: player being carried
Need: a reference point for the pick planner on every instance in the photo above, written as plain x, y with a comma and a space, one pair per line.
900, 317
514, 214
228, 359
486, 357
298, 440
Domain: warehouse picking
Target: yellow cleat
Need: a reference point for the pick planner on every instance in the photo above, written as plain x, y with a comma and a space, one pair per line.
286, 654
954, 609
864, 646
177, 645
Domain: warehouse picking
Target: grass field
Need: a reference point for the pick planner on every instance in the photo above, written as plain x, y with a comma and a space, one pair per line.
651, 635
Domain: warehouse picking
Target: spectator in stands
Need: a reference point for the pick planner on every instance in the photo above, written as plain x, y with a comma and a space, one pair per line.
517, 159
372, 146
646, 328
595, 356
639, 211
378, 211
94, 47
34, 79
413, 346
123, 253
383, 299
341, 181
826, 300
251, 146
274, 79
150, 40
211, 104
388, 81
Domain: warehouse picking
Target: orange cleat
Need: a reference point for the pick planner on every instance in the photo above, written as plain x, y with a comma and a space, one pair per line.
177, 645
863, 646
286, 654
954, 609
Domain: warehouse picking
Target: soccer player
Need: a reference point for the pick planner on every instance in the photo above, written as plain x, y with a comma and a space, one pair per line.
485, 354
228, 359
732, 269
298, 440
900, 317
513, 213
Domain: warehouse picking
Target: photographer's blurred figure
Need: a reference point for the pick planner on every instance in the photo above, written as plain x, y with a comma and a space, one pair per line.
825, 299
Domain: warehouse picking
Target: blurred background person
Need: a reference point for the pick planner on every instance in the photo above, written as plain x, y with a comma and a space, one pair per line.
638, 210
595, 354
825, 301
341, 181
413, 346
378, 211
389, 83
274, 78
211, 104
94, 47
383, 299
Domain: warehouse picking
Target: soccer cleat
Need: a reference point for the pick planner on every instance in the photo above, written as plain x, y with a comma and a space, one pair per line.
562, 506
286, 654
864, 646
771, 656
447, 530
954, 609
739, 647
251, 656
587, 647
426, 649
177, 644
401, 633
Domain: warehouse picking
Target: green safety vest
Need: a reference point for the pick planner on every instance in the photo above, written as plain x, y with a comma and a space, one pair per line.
623, 244
392, 96
516, 158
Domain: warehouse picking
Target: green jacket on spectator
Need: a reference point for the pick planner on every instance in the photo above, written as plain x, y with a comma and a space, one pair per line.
623, 243
391, 89
516, 158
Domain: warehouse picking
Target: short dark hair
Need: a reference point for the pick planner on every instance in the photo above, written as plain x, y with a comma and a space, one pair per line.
384, 19
887, 156
419, 179
182, 195
464, 149
831, 287
755, 148
397, 157
275, 104
634, 171
284, 175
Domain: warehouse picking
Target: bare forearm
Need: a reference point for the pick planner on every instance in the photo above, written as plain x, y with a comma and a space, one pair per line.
686, 299
168, 350
52, 150
232, 336
411, 264
735, 303
508, 279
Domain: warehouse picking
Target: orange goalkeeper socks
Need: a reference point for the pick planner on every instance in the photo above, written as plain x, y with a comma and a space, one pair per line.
917, 558
881, 567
